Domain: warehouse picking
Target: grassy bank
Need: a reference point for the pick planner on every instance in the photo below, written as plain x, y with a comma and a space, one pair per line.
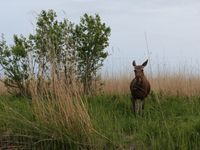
168, 123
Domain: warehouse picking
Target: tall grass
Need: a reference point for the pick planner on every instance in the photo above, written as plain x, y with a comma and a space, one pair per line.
179, 84
174, 123
56, 117
60, 108
59, 117
3, 89
171, 124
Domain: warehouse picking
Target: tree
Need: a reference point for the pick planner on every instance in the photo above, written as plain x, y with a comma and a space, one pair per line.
43, 55
15, 62
91, 37
56, 48
53, 45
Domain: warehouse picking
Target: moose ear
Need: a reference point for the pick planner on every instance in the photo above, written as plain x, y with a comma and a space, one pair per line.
134, 64
145, 63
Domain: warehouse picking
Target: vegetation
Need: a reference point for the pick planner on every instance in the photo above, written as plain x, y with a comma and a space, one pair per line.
92, 37
57, 50
52, 112
173, 123
14, 61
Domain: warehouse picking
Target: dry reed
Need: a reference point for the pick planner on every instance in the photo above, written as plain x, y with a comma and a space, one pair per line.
168, 84
61, 107
3, 89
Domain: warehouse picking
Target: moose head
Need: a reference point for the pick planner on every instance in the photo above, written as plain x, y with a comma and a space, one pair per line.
138, 69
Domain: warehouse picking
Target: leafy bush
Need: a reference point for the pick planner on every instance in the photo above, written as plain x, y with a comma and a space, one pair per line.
91, 40
58, 50
14, 61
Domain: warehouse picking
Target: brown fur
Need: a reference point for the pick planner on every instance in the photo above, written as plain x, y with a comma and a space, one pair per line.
140, 86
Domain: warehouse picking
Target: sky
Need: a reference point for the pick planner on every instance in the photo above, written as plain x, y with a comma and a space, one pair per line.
165, 31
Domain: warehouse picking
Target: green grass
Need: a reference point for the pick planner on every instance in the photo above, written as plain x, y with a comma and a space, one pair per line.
171, 123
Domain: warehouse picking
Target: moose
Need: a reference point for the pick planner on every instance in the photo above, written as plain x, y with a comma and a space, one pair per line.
140, 87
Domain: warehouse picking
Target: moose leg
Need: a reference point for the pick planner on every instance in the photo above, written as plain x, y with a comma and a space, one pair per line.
137, 106
142, 110
133, 104
143, 101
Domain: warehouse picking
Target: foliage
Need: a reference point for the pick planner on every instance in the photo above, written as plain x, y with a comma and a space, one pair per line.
91, 40
53, 45
15, 62
57, 50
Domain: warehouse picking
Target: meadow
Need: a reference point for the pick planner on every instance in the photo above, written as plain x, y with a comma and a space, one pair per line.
55, 99
171, 118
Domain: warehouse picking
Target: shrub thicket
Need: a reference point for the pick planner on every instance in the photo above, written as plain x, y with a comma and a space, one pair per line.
57, 49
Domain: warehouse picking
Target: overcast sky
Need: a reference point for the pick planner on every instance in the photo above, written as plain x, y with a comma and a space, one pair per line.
172, 27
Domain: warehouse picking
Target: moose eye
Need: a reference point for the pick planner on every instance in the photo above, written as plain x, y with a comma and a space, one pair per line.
134, 70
